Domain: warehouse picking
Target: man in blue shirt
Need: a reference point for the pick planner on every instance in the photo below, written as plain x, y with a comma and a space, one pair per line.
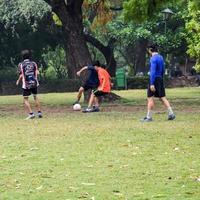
156, 86
91, 82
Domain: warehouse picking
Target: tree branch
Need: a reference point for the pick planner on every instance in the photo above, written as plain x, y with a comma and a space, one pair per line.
89, 38
116, 8
107, 51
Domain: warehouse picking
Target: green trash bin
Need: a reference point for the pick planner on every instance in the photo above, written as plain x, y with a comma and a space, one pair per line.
121, 78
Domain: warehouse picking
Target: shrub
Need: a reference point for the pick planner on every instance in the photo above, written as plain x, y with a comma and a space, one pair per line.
137, 82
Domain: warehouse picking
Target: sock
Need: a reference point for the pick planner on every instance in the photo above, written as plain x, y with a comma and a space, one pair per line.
170, 111
39, 111
149, 114
31, 113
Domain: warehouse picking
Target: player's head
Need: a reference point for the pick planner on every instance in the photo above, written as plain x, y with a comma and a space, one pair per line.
96, 63
152, 48
103, 66
26, 54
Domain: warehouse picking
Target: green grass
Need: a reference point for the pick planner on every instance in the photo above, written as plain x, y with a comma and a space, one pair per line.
101, 156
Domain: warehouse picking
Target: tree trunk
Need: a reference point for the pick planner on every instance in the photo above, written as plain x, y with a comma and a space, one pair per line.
70, 14
141, 56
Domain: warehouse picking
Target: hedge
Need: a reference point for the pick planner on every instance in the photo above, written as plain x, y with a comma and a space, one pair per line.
137, 82
67, 85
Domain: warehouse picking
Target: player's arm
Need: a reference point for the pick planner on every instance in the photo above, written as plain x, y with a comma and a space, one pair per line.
152, 75
36, 69
19, 79
81, 70
111, 83
20, 74
103, 84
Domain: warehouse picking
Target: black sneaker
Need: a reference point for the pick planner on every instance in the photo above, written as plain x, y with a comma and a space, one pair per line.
96, 109
88, 110
145, 119
171, 117
39, 115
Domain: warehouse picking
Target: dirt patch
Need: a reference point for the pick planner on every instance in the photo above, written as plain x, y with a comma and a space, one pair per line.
60, 110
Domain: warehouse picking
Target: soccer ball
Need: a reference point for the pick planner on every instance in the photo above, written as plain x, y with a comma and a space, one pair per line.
76, 107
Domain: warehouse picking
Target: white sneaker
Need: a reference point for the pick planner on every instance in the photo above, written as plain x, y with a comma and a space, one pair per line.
145, 119
87, 110
30, 117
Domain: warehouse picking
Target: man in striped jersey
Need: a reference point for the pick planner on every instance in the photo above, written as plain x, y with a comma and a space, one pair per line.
29, 76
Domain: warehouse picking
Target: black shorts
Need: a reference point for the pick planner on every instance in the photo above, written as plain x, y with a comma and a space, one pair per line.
28, 92
98, 93
87, 86
160, 88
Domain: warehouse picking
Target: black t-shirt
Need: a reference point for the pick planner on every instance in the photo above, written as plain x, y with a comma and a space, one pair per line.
92, 76
28, 69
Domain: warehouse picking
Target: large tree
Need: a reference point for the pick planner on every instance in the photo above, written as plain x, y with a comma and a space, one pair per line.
70, 14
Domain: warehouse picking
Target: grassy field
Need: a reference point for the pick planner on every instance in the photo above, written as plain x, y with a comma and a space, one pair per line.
109, 155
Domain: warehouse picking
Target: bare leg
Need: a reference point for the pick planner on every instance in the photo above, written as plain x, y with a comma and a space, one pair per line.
80, 92
150, 106
27, 105
167, 105
150, 103
92, 100
165, 102
96, 102
37, 103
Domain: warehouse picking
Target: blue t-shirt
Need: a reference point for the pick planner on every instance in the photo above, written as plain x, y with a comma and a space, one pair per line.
157, 67
92, 76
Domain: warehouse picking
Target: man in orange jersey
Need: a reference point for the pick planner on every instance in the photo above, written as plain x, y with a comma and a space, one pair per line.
103, 89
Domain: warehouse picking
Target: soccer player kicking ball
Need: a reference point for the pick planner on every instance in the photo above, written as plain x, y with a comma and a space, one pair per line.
156, 86
91, 82
103, 89
28, 75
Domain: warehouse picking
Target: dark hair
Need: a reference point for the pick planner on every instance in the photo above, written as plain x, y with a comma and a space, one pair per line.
103, 66
96, 63
153, 48
26, 54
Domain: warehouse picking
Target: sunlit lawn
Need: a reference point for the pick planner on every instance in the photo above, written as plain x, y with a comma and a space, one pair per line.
101, 156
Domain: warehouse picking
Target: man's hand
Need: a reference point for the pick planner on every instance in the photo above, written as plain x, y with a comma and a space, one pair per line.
152, 88
17, 82
100, 88
78, 73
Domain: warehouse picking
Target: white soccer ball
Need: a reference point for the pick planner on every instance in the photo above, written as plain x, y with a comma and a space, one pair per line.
76, 107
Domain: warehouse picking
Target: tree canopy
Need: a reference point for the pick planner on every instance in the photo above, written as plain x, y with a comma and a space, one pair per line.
114, 30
